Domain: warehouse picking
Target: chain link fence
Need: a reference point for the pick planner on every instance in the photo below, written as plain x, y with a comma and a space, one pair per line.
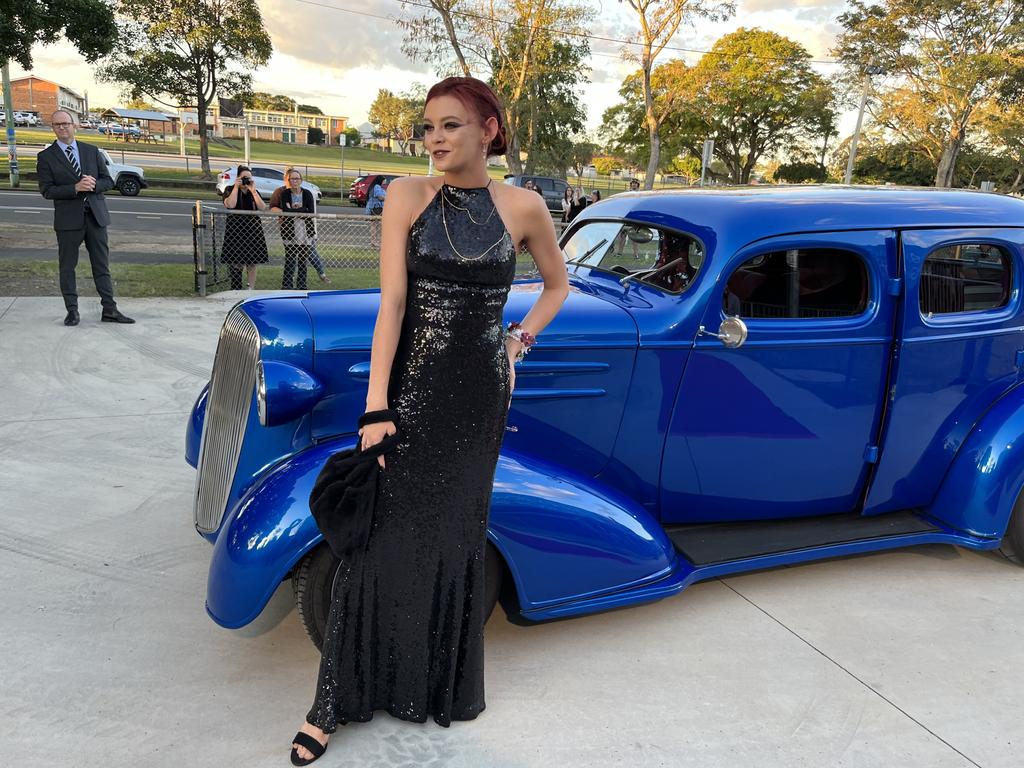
308, 251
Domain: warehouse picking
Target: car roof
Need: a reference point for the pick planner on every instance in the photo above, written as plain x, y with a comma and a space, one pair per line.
753, 213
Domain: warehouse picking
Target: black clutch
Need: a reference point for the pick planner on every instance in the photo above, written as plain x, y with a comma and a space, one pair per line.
342, 500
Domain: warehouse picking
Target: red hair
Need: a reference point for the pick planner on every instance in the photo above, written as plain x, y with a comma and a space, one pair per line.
478, 97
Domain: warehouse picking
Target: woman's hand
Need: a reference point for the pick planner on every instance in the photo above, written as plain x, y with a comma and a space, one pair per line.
372, 434
512, 347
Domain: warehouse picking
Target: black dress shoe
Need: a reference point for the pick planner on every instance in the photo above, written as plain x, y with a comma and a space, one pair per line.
72, 317
114, 316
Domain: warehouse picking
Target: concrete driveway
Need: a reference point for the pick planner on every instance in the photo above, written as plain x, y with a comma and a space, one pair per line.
107, 658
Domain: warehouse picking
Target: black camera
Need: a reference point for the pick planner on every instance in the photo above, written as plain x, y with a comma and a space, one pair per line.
247, 180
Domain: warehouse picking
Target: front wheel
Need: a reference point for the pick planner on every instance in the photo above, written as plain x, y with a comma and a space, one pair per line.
128, 186
313, 584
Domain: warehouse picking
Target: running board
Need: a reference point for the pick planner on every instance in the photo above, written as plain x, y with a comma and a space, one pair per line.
711, 543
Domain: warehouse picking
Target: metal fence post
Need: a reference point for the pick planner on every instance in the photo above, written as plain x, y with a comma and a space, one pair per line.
199, 247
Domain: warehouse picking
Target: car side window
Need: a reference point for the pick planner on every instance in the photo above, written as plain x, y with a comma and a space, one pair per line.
970, 277
798, 283
545, 184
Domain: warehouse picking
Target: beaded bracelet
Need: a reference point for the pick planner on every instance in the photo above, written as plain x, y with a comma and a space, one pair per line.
524, 337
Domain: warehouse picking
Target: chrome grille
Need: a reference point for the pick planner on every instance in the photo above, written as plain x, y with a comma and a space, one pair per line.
227, 411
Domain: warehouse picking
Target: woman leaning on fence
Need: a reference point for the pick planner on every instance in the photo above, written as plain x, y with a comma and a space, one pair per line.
244, 243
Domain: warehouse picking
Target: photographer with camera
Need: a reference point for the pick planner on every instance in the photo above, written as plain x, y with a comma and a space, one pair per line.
244, 243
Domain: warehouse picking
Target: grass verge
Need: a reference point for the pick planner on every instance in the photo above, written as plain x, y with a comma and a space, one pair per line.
39, 278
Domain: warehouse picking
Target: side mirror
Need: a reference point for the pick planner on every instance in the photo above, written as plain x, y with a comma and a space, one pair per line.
732, 332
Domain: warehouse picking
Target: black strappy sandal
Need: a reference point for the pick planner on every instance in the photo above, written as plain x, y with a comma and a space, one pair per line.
310, 743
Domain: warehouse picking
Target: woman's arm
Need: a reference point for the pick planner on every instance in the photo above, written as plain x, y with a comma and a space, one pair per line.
232, 199
395, 223
257, 200
539, 237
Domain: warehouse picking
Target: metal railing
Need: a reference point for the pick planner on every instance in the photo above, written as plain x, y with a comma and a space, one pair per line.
303, 248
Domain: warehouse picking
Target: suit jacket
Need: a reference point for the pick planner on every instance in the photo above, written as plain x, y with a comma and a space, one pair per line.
57, 179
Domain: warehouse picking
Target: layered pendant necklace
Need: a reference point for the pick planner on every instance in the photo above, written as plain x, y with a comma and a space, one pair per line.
445, 203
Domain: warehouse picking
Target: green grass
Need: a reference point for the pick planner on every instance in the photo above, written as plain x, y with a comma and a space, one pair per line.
39, 278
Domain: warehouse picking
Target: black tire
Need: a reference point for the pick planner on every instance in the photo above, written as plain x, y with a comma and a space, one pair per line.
1013, 542
128, 186
313, 583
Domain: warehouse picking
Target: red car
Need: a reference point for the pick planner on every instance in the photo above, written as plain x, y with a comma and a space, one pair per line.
361, 187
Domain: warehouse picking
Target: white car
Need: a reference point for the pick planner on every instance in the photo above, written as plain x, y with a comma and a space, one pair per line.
266, 180
25, 118
129, 179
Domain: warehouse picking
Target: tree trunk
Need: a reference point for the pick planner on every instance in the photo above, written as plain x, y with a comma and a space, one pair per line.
204, 147
515, 164
453, 38
652, 126
946, 172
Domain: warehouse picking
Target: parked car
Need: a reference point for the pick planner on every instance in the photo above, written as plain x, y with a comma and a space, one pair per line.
266, 180
110, 128
86, 123
128, 179
774, 376
361, 186
552, 189
26, 119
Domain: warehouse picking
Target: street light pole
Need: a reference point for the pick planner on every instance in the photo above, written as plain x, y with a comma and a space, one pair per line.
12, 149
860, 121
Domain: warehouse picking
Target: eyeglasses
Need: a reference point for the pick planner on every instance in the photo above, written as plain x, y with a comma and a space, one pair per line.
61, 125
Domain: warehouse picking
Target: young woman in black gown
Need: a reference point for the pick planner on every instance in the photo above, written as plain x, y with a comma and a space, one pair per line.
405, 630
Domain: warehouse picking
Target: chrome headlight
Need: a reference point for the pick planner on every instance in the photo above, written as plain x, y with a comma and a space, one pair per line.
284, 391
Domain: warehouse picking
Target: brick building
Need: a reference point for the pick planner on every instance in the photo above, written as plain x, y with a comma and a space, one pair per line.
44, 97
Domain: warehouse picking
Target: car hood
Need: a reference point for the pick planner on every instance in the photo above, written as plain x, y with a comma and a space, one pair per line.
344, 320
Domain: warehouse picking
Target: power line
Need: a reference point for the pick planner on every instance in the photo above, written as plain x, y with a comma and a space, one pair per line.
566, 32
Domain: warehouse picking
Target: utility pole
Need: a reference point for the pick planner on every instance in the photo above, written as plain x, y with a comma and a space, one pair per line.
12, 148
245, 124
872, 70
342, 140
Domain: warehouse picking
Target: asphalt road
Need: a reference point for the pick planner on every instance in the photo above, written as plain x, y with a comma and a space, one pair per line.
143, 230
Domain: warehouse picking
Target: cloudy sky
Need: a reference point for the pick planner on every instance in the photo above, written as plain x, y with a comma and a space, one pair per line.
337, 59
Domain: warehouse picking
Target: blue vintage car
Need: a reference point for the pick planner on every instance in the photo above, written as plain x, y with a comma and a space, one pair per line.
738, 380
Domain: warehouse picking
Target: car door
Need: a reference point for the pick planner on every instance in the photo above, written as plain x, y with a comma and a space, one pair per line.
784, 425
960, 349
267, 180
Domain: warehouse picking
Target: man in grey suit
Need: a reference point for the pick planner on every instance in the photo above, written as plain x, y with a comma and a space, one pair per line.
74, 175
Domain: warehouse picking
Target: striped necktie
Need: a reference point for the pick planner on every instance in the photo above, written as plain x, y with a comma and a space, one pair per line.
73, 160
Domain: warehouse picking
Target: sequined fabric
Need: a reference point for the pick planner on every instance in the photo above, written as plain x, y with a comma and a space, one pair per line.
406, 628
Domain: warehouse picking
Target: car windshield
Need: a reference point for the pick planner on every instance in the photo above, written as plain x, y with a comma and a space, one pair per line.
663, 258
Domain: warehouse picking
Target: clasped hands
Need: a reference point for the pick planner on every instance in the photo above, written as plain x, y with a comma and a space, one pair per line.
86, 184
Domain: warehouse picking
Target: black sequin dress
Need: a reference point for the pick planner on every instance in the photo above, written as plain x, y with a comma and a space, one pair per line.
406, 628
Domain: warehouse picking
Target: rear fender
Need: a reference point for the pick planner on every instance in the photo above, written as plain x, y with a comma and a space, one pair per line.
987, 474
563, 538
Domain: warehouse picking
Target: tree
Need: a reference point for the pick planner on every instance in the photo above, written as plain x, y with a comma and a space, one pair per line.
950, 56
755, 93
800, 172
88, 24
352, 137
309, 109
517, 46
314, 135
605, 164
141, 104
188, 51
659, 22
271, 101
625, 125
396, 116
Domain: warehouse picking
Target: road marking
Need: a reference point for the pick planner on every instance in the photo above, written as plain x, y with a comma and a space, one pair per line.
145, 216
27, 210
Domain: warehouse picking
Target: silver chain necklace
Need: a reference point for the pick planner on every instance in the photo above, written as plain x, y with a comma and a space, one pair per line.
444, 222
466, 210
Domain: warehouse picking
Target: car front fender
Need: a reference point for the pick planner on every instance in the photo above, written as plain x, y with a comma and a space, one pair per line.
264, 536
563, 538
987, 474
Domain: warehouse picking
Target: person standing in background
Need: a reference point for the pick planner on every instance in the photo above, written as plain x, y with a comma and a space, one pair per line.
74, 175
375, 208
244, 243
296, 232
566, 204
